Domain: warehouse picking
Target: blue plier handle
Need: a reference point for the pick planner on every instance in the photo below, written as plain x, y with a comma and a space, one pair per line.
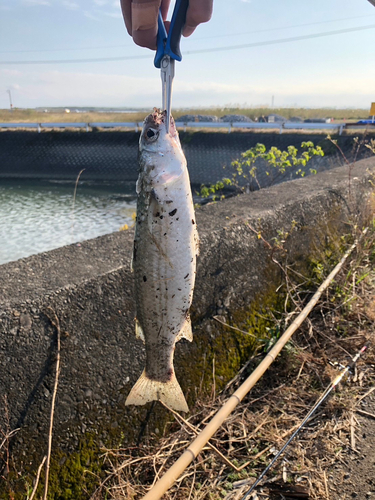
168, 51
169, 44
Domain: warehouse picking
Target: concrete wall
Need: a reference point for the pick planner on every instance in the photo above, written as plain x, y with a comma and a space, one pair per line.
90, 289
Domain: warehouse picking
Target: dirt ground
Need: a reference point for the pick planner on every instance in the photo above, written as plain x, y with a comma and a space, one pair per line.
356, 478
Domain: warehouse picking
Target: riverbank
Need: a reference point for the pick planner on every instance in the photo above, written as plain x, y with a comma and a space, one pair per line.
89, 289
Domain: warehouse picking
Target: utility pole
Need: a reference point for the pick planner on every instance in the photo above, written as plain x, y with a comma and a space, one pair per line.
10, 99
273, 101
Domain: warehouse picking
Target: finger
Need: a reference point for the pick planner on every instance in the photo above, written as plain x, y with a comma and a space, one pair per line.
144, 15
199, 11
127, 13
167, 25
164, 8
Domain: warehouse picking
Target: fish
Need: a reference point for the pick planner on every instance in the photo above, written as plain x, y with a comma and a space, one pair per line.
166, 246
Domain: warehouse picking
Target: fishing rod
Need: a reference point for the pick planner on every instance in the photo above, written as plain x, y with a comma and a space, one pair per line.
329, 389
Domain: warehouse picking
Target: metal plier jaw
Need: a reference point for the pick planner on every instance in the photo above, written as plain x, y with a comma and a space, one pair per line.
167, 75
168, 50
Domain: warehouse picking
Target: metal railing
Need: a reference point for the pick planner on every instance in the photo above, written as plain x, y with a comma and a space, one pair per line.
228, 126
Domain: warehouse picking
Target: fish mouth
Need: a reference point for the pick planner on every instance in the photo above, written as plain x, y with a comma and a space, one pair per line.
158, 119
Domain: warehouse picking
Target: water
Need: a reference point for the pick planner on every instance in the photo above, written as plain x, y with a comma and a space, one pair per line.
36, 216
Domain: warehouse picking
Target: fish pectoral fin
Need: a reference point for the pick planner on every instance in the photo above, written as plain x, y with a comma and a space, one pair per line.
138, 331
186, 331
146, 390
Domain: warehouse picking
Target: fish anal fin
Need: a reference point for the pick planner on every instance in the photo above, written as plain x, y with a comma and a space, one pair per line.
138, 331
146, 390
186, 331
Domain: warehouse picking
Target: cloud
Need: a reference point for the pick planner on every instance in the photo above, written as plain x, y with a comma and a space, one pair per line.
40, 87
59, 88
10, 74
117, 15
70, 5
97, 14
36, 2
90, 15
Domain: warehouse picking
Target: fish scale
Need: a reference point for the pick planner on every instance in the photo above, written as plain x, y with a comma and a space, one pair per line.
164, 260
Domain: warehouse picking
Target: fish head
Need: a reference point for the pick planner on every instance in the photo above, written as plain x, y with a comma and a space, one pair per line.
161, 158
154, 135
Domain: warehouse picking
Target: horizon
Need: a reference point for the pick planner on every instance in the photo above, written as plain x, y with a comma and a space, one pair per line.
203, 108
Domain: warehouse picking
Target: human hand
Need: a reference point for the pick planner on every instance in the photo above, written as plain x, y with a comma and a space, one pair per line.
141, 18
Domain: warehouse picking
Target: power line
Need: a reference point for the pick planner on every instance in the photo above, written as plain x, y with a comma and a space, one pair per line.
200, 51
197, 38
282, 40
66, 49
278, 28
75, 49
69, 61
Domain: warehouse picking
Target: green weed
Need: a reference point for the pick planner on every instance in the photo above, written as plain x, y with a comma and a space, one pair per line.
244, 177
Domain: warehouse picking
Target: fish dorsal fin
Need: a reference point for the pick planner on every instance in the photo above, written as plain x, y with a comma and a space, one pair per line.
138, 331
185, 331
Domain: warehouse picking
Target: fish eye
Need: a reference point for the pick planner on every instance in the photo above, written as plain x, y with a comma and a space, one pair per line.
152, 134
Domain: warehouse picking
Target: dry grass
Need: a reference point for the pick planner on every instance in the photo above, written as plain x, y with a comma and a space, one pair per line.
32, 116
304, 113
338, 327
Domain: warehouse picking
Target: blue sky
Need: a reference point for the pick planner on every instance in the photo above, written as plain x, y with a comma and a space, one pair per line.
336, 70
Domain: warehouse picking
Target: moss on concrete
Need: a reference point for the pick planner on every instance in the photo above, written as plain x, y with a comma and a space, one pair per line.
77, 474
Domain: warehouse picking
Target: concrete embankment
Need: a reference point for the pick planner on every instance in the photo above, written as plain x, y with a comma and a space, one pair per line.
89, 288
112, 155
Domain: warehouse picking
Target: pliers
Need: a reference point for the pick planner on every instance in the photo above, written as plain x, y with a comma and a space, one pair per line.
168, 51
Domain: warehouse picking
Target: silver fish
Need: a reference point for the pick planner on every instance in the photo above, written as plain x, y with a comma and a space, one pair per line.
164, 260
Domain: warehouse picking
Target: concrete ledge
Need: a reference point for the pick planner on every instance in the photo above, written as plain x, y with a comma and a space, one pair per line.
90, 289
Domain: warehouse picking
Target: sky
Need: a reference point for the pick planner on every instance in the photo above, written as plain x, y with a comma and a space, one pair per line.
294, 53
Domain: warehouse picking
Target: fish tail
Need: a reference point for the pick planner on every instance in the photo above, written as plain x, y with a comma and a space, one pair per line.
146, 390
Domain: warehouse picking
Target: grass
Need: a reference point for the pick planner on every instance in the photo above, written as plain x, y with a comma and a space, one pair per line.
338, 327
304, 113
31, 115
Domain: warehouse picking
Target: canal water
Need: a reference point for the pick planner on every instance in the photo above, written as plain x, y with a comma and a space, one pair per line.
36, 216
